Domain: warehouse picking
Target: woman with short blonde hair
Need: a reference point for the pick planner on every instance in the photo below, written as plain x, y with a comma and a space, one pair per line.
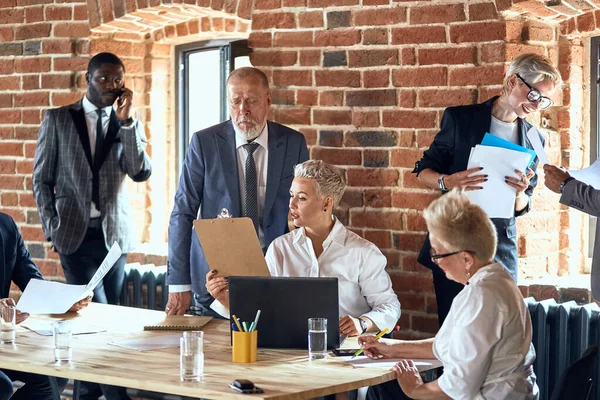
485, 343
529, 82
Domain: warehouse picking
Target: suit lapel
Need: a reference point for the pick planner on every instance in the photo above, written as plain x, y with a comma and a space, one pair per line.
228, 157
78, 116
275, 165
484, 120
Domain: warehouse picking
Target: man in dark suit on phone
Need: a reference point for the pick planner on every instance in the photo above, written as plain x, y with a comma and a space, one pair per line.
84, 153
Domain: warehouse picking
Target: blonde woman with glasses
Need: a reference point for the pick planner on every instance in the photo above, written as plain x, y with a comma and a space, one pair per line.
528, 84
485, 343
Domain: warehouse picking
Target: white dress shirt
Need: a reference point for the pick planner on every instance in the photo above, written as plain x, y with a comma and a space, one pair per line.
261, 157
365, 288
485, 342
91, 119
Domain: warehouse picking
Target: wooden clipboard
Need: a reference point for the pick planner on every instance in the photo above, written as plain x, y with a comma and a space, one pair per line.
231, 246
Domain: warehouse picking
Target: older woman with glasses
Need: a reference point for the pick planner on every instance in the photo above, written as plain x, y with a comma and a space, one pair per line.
485, 343
528, 83
323, 247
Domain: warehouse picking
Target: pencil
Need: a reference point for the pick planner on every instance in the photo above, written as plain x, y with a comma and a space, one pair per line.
237, 323
379, 336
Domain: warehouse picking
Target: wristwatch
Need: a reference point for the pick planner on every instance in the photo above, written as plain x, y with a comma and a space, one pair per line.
441, 183
563, 183
363, 325
127, 122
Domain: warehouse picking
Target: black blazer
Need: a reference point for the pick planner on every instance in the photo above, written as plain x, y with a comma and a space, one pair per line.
18, 267
462, 128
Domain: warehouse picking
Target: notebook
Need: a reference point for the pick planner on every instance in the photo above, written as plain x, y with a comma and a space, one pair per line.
179, 323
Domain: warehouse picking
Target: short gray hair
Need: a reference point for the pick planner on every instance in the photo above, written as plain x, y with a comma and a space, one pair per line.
461, 225
330, 180
533, 68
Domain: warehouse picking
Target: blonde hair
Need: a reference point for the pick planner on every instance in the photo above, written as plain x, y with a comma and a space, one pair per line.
330, 180
533, 68
461, 225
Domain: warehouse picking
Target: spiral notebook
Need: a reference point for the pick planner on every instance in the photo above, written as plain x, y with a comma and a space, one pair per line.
179, 323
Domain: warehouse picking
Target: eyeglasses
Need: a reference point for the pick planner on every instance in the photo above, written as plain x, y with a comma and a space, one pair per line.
435, 257
534, 95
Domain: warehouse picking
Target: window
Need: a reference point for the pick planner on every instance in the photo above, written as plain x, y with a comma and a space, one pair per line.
202, 70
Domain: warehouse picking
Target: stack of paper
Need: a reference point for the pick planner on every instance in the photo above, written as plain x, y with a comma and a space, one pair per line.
499, 159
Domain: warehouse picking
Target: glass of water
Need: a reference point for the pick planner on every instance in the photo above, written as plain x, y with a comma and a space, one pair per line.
8, 324
317, 338
191, 351
62, 332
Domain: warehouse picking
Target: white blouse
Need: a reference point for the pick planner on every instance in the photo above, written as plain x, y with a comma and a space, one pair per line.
485, 342
365, 288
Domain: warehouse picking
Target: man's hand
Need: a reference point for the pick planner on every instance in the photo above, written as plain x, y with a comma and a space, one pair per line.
19, 316
408, 376
350, 326
554, 176
376, 349
178, 303
81, 304
124, 104
218, 287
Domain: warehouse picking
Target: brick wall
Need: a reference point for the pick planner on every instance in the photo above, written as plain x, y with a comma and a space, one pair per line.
366, 81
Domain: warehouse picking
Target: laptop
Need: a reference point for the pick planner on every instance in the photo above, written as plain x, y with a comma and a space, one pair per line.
286, 304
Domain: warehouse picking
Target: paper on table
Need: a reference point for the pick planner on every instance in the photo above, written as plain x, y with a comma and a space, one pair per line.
589, 176
534, 137
388, 363
496, 198
48, 297
44, 328
150, 343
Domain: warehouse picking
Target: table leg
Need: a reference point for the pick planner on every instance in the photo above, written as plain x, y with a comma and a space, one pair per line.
55, 389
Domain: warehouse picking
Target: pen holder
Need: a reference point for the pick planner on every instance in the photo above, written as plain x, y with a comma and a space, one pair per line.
244, 347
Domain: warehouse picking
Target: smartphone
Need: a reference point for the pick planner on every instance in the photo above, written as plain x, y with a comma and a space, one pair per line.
245, 386
344, 352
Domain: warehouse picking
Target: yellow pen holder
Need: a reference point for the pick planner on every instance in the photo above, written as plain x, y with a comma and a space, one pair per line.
244, 347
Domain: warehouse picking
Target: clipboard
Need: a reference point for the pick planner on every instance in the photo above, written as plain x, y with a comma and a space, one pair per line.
231, 246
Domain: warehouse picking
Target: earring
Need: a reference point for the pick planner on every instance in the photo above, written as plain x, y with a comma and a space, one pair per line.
324, 210
468, 276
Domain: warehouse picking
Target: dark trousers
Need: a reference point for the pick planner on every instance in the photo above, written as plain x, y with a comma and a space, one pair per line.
79, 267
386, 391
445, 292
36, 387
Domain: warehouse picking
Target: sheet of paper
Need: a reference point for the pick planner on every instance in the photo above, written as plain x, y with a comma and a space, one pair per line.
366, 362
44, 328
150, 343
111, 258
48, 297
534, 137
496, 198
589, 176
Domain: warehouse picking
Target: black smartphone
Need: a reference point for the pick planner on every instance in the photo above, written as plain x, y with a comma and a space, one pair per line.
344, 352
245, 386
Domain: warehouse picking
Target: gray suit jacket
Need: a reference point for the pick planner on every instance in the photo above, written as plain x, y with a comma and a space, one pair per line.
209, 182
587, 199
62, 178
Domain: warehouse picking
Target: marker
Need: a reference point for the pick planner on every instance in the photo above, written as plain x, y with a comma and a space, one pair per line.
379, 336
251, 327
245, 326
237, 323
255, 321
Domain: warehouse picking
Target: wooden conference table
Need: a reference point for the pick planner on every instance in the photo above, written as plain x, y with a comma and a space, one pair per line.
282, 374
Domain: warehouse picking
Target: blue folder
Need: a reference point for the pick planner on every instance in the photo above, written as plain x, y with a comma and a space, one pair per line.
495, 141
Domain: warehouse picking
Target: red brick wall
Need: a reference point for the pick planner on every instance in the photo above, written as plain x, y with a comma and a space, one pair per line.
366, 81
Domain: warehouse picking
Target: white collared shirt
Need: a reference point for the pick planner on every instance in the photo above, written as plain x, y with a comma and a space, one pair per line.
261, 157
487, 336
91, 119
365, 288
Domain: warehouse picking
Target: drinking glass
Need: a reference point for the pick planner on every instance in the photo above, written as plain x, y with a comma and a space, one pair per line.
317, 338
191, 351
8, 324
62, 332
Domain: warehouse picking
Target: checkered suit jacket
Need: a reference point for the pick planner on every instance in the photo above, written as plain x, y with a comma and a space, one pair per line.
62, 178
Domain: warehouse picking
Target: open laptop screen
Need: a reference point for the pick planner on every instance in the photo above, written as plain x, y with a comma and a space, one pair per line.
286, 304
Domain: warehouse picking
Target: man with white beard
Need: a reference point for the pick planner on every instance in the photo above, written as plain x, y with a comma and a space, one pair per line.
244, 165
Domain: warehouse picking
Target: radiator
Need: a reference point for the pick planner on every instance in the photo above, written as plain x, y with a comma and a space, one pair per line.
561, 333
145, 286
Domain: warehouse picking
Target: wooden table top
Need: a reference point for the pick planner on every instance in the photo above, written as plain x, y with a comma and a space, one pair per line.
282, 374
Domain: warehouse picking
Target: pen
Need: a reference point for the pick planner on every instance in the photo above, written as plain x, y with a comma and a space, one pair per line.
234, 326
245, 326
253, 327
237, 323
379, 336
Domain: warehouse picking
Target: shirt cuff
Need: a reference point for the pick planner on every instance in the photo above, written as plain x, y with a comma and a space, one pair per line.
180, 288
220, 308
